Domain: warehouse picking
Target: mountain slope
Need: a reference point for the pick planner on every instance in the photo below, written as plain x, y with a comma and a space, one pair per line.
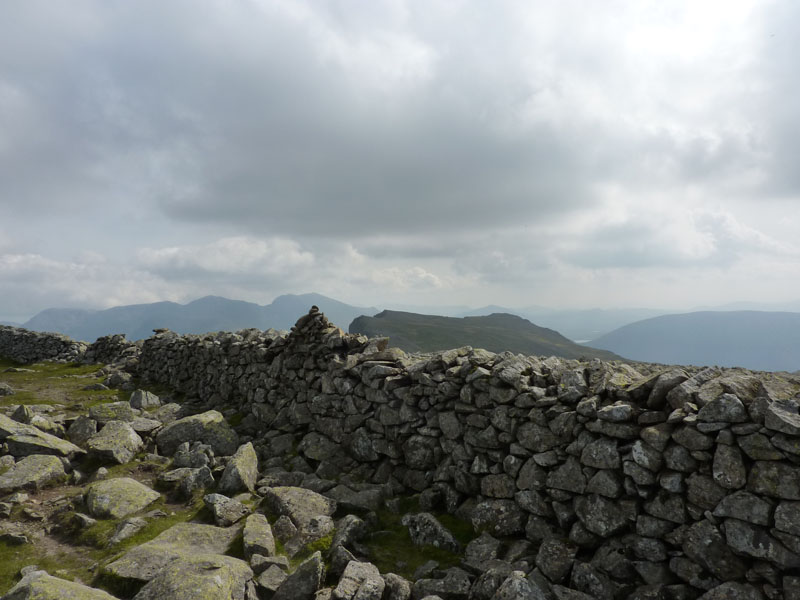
212, 313
765, 341
497, 332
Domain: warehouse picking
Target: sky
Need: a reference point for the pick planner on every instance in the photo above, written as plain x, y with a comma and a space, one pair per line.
565, 154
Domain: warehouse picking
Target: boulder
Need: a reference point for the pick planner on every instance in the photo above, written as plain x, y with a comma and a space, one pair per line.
32, 472
199, 576
38, 585
304, 582
425, 530
24, 440
241, 472
257, 536
226, 511
180, 542
144, 399
81, 430
299, 504
209, 428
117, 498
518, 587
116, 442
361, 580
112, 411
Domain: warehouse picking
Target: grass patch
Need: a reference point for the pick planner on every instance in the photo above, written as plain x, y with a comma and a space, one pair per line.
72, 565
392, 550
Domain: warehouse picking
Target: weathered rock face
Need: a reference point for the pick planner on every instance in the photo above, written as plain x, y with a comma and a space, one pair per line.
209, 428
241, 472
116, 442
24, 440
193, 577
32, 472
178, 543
38, 585
119, 497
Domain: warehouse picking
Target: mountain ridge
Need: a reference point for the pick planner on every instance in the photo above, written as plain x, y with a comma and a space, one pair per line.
498, 332
209, 313
759, 340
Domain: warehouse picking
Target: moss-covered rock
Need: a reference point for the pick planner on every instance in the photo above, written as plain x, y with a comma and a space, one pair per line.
25, 440
209, 428
117, 442
113, 411
117, 498
199, 577
180, 542
38, 585
32, 472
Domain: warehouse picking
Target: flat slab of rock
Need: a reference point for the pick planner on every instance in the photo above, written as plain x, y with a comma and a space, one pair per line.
180, 542
25, 440
117, 498
38, 585
113, 411
209, 428
202, 576
299, 504
32, 472
116, 442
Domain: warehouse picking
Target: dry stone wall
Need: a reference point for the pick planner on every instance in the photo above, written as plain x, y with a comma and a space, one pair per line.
617, 481
24, 346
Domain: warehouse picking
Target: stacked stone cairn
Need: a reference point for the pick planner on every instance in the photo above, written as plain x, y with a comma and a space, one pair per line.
580, 479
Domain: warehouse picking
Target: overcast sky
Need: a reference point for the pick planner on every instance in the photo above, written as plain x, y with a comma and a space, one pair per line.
571, 153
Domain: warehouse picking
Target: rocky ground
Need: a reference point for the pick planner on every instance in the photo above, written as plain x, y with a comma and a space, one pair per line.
111, 491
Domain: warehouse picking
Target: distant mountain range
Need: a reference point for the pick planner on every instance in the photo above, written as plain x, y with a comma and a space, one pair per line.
764, 341
211, 313
10, 324
576, 324
415, 332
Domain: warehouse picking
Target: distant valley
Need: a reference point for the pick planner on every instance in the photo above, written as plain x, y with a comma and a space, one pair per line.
767, 341
415, 332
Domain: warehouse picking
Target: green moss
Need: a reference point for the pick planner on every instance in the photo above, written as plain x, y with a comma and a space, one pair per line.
392, 550
235, 420
73, 565
322, 545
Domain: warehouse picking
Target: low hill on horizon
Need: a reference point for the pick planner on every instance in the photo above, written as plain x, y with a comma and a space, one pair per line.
497, 332
211, 313
757, 340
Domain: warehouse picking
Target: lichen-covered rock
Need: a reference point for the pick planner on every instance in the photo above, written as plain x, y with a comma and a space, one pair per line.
39, 585
241, 472
600, 515
201, 577
775, 479
555, 558
299, 504
455, 585
498, 517
257, 536
518, 587
359, 580
704, 545
782, 415
425, 530
226, 511
32, 472
116, 442
24, 440
117, 498
81, 430
112, 411
304, 582
179, 542
209, 428
143, 399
